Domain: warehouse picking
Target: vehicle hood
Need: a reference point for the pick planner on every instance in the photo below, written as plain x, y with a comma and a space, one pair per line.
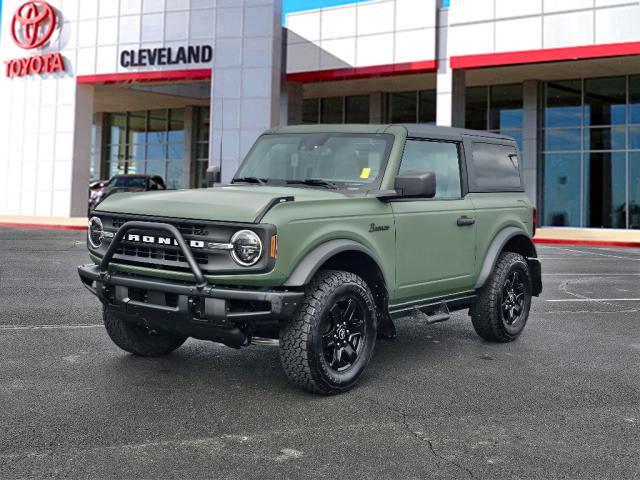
232, 203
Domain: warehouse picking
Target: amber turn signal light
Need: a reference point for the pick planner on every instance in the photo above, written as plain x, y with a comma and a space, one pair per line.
273, 251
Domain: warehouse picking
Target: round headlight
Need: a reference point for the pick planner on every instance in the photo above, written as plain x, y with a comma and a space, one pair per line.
247, 248
95, 232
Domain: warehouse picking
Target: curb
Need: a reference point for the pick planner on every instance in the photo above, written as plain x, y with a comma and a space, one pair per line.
42, 226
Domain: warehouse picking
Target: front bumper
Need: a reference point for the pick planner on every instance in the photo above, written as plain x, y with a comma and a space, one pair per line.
210, 303
226, 315
200, 310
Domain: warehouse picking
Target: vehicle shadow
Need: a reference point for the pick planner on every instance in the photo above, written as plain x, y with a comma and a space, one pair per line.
204, 365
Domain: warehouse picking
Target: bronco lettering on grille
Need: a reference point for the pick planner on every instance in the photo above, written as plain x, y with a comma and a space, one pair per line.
132, 237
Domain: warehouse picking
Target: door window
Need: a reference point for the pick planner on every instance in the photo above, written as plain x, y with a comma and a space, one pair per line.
441, 158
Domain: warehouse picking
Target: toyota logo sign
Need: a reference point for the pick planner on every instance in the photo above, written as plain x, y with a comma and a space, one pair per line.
33, 24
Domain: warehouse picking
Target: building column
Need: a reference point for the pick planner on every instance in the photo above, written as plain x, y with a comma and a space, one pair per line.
188, 151
81, 151
530, 108
97, 159
291, 103
450, 84
245, 96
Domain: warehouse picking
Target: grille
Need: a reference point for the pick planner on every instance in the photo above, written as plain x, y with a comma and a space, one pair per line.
190, 229
160, 254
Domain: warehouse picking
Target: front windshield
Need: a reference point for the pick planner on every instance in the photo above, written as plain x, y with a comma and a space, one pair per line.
342, 160
128, 182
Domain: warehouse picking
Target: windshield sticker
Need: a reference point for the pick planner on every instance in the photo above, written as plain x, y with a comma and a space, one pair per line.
366, 173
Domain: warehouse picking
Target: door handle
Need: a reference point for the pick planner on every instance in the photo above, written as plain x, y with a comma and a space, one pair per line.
464, 221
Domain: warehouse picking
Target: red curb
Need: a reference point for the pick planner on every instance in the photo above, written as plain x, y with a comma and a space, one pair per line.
42, 225
588, 243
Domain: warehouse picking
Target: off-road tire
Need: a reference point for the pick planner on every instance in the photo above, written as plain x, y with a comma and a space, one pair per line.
486, 314
137, 339
301, 337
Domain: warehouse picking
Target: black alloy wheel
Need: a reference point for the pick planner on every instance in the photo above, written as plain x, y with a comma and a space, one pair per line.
513, 298
502, 308
326, 346
344, 340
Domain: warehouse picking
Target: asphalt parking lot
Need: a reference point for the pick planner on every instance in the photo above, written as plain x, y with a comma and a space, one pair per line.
561, 402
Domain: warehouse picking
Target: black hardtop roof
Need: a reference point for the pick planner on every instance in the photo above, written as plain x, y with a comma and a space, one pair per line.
431, 131
414, 130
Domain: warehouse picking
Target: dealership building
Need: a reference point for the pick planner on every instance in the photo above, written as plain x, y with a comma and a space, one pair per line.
94, 88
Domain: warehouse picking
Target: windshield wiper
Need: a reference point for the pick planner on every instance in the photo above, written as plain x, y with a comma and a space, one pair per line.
314, 182
260, 181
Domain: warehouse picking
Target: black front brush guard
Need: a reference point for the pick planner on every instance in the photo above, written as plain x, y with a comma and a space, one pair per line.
201, 282
202, 311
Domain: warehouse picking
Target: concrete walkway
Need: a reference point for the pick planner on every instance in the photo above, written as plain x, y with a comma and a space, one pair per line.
588, 236
555, 235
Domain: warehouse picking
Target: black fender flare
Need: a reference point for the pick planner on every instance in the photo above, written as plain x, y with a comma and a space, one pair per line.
496, 247
313, 260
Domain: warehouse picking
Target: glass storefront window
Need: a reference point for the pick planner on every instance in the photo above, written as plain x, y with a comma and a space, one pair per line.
634, 99
176, 126
412, 107
403, 107
427, 107
563, 139
634, 190
593, 119
563, 104
137, 127
331, 110
350, 109
155, 151
605, 138
505, 107
476, 108
151, 142
605, 101
605, 175
497, 108
117, 127
562, 189
201, 146
115, 156
310, 111
157, 128
356, 109
634, 138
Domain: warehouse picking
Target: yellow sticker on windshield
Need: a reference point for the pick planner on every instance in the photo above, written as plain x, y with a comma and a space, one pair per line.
366, 172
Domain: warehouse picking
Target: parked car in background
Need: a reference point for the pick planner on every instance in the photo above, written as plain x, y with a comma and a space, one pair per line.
97, 184
101, 189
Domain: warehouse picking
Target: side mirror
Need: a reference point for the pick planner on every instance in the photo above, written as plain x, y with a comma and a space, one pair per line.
213, 175
416, 184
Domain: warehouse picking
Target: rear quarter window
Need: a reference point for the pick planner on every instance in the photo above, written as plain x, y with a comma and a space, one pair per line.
495, 167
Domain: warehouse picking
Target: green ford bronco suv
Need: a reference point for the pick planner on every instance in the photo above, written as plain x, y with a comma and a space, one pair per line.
324, 237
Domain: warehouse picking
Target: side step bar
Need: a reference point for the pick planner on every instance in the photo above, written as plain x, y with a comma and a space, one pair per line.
440, 315
438, 310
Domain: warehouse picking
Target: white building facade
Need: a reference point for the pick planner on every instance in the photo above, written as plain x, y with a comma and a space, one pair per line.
94, 88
